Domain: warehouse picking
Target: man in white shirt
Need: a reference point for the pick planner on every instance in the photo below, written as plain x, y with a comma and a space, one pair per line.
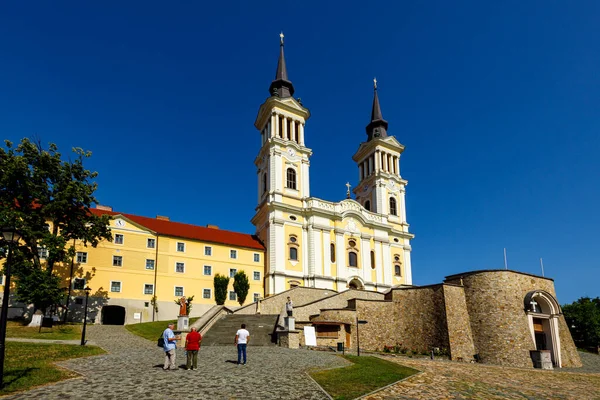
242, 337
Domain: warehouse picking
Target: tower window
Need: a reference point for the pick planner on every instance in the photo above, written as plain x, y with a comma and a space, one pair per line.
293, 253
353, 259
398, 270
372, 259
293, 247
393, 209
332, 251
264, 182
368, 205
291, 178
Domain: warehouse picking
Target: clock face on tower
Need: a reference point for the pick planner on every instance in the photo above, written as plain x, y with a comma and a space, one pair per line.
291, 152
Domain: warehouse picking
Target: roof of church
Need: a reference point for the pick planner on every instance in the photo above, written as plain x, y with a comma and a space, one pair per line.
187, 231
281, 86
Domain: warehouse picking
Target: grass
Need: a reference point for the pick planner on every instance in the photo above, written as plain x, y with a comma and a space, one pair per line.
31, 364
15, 329
152, 330
366, 375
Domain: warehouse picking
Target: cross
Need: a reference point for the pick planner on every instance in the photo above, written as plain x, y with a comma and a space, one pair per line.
348, 191
375, 82
281, 37
533, 304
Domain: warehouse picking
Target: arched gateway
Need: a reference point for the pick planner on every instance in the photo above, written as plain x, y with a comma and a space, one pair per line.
542, 313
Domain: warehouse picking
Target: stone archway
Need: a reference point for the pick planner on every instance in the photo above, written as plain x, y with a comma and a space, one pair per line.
543, 312
356, 283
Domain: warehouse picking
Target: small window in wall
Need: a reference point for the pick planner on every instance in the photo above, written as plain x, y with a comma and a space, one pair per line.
119, 238
81, 257
256, 257
368, 205
206, 293
393, 210
117, 261
178, 291
148, 288
332, 252
256, 276
180, 267
352, 259
256, 297
351, 243
180, 247
207, 270
115, 286
291, 178
372, 259
78, 284
149, 264
293, 253
151, 243
207, 251
232, 295
42, 253
232, 253
232, 272
398, 270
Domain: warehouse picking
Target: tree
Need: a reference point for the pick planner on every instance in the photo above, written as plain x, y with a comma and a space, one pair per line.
583, 319
241, 286
221, 282
48, 200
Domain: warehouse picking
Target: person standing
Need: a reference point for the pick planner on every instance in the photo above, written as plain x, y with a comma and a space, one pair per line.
289, 307
242, 337
192, 345
169, 346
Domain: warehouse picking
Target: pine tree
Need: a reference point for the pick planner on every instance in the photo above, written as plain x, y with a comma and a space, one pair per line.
241, 286
220, 283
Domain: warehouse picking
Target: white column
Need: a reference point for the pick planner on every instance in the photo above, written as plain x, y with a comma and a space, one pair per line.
305, 190
277, 132
269, 124
380, 264
387, 262
318, 250
340, 258
278, 248
385, 162
301, 138
396, 165
377, 159
326, 253
310, 271
294, 134
276, 179
402, 205
407, 268
365, 249
285, 128
273, 126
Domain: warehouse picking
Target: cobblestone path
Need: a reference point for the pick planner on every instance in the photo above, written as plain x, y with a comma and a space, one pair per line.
133, 370
452, 380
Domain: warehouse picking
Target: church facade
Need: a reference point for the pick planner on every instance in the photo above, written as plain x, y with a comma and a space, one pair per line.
359, 244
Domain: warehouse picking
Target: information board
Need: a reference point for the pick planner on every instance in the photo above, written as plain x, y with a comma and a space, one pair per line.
310, 339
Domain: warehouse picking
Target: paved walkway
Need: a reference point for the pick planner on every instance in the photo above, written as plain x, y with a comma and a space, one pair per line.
51, 341
453, 380
133, 370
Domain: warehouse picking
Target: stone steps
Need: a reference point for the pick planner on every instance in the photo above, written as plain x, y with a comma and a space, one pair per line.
261, 328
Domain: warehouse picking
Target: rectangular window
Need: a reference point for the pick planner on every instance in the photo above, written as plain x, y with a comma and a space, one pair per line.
118, 238
256, 257
42, 253
180, 247
78, 284
180, 267
148, 288
117, 261
81, 257
207, 251
232, 295
115, 286
151, 243
256, 297
178, 291
207, 270
256, 276
149, 264
232, 272
2, 280
206, 294
232, 253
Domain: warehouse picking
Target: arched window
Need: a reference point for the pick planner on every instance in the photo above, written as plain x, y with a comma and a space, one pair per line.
372, 259
332, 252
293, 248
398, 270
393, 210
368, 205
293, 253
264, 183
352, 259
291, 178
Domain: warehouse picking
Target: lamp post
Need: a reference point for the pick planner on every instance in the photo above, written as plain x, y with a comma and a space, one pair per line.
11, 236
358, 322
87, 296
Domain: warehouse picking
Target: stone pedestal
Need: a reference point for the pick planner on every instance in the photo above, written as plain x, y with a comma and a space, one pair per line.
290, 323
36, 320
542, 359
289, 339
183, 323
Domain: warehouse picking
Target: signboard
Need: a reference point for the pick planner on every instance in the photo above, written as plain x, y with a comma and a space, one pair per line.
137, 315
310, 339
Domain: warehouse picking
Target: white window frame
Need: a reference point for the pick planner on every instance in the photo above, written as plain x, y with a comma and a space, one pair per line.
209, 293
79, 279
254, 275
83, 258
177, 247
151, 285
234, 295
42, 253
153, 264
204, 270
183, 264
256, 297
118, 266
256, 255
233, 252
235, 272
209, 248
2, 280
122, 239
120, 286
148, 243
175, 291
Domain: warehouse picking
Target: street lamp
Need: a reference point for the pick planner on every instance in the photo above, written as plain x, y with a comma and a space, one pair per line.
358, 322
87, 296
11, 236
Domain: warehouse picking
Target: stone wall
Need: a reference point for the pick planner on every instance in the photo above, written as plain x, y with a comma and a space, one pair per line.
338, 300
499, 324
275, 304
458, 323
568, 350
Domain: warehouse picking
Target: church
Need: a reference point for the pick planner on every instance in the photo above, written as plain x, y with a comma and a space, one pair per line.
359, 244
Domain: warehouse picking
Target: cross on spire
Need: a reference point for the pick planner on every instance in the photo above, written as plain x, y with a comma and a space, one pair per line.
348, 191
375, 83
281, 36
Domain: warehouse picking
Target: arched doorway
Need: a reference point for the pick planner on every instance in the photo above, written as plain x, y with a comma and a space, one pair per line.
356, 283
113, 315
543, 312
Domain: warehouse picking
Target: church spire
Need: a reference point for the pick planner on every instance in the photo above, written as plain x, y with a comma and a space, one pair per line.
378, 126
281, 86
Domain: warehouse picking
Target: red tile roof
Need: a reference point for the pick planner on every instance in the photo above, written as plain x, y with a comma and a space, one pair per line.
187, 231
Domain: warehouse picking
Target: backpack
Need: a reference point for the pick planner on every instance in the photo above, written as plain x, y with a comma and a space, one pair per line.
161, 342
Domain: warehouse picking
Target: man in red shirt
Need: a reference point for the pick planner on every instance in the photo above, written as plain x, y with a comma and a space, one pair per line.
192, 345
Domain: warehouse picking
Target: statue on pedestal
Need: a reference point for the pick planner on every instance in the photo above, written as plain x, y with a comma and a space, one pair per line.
182, 307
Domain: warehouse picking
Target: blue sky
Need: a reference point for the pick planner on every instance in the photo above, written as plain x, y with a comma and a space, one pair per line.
497, 104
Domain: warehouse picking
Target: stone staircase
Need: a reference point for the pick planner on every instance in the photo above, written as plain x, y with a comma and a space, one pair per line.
261, 328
